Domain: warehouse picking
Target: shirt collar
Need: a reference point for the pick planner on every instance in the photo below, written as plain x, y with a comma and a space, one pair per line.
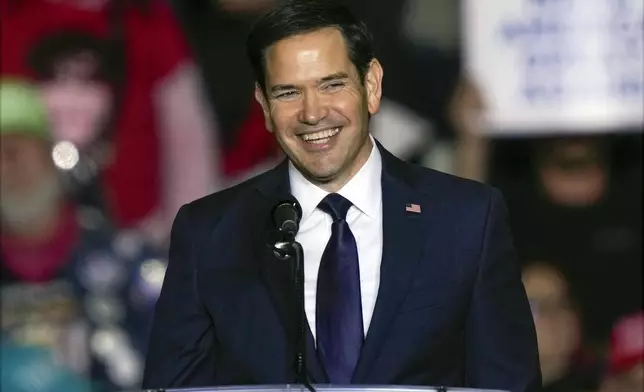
364, 190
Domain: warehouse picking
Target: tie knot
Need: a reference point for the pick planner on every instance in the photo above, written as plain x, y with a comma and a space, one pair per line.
336, 206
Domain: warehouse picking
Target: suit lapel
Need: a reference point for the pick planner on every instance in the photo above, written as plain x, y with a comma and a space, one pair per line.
276, 274
402, 232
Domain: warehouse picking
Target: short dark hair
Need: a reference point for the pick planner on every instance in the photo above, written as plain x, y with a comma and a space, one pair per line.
64, 45
110, 66
294, 17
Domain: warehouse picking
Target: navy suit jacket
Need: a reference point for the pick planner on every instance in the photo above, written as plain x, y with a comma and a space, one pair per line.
451, 308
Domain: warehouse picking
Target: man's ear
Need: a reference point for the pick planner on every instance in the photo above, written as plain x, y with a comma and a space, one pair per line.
373, 85
260, 97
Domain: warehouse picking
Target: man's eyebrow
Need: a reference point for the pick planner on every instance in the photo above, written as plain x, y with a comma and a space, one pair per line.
282, 87
335, 76
290, 87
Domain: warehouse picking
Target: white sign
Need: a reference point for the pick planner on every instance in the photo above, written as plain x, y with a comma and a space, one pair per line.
557, 65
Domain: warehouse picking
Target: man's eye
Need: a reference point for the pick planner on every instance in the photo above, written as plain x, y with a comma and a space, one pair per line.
333, 86
287, 95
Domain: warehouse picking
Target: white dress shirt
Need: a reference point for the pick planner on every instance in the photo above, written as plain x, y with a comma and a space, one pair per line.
364, 191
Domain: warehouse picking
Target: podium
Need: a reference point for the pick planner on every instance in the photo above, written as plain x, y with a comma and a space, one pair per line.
321, 388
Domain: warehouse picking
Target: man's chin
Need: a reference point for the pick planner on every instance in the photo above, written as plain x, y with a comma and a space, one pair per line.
319, 174
330, 182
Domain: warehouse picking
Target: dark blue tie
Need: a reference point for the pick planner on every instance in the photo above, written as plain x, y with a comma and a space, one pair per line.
338, 316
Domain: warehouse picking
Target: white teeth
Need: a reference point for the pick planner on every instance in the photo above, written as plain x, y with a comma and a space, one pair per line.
320, 137
319, 141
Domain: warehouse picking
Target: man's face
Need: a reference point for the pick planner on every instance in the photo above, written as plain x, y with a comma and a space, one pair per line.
317, 106
78, 106
29, 183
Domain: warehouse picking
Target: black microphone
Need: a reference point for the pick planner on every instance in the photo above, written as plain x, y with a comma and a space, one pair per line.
286, 218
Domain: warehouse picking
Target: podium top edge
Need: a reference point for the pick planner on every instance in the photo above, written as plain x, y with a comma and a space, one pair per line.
322, 388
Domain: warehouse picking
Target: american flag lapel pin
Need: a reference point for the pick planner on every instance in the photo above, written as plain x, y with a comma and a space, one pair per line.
415, 208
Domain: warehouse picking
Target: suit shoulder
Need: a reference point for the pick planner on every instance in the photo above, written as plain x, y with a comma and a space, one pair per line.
215, 204
454, 187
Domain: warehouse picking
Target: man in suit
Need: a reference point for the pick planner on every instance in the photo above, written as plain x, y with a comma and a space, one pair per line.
410, 274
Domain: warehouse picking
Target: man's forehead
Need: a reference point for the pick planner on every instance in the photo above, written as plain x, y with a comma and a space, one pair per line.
320, 47
325, 37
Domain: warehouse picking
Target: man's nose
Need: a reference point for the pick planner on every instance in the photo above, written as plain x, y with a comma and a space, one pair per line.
313, 110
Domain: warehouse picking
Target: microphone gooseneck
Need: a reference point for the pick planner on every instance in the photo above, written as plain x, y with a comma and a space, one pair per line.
286, 217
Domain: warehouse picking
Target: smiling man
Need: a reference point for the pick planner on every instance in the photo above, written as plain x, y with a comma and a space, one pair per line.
318, 103
410, 275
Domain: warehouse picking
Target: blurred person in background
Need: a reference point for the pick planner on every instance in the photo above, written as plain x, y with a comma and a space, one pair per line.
162, 152
470, 149
68, 283
626, 356
77, 75
565, 367
217, 30
573, 172
579, 201
576, 198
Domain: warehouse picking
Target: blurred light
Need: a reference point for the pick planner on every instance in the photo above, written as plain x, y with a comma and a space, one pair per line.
90, 218
65, 155
104, 310
128, 244
105, 341
125, 368
101, 272
153, 272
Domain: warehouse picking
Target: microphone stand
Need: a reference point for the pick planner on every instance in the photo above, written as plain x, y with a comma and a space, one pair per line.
287, 250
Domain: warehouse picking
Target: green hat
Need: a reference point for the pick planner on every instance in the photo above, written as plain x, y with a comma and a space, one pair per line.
22, 109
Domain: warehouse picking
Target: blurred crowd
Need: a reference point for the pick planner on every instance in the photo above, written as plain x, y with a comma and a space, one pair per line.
113, 113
